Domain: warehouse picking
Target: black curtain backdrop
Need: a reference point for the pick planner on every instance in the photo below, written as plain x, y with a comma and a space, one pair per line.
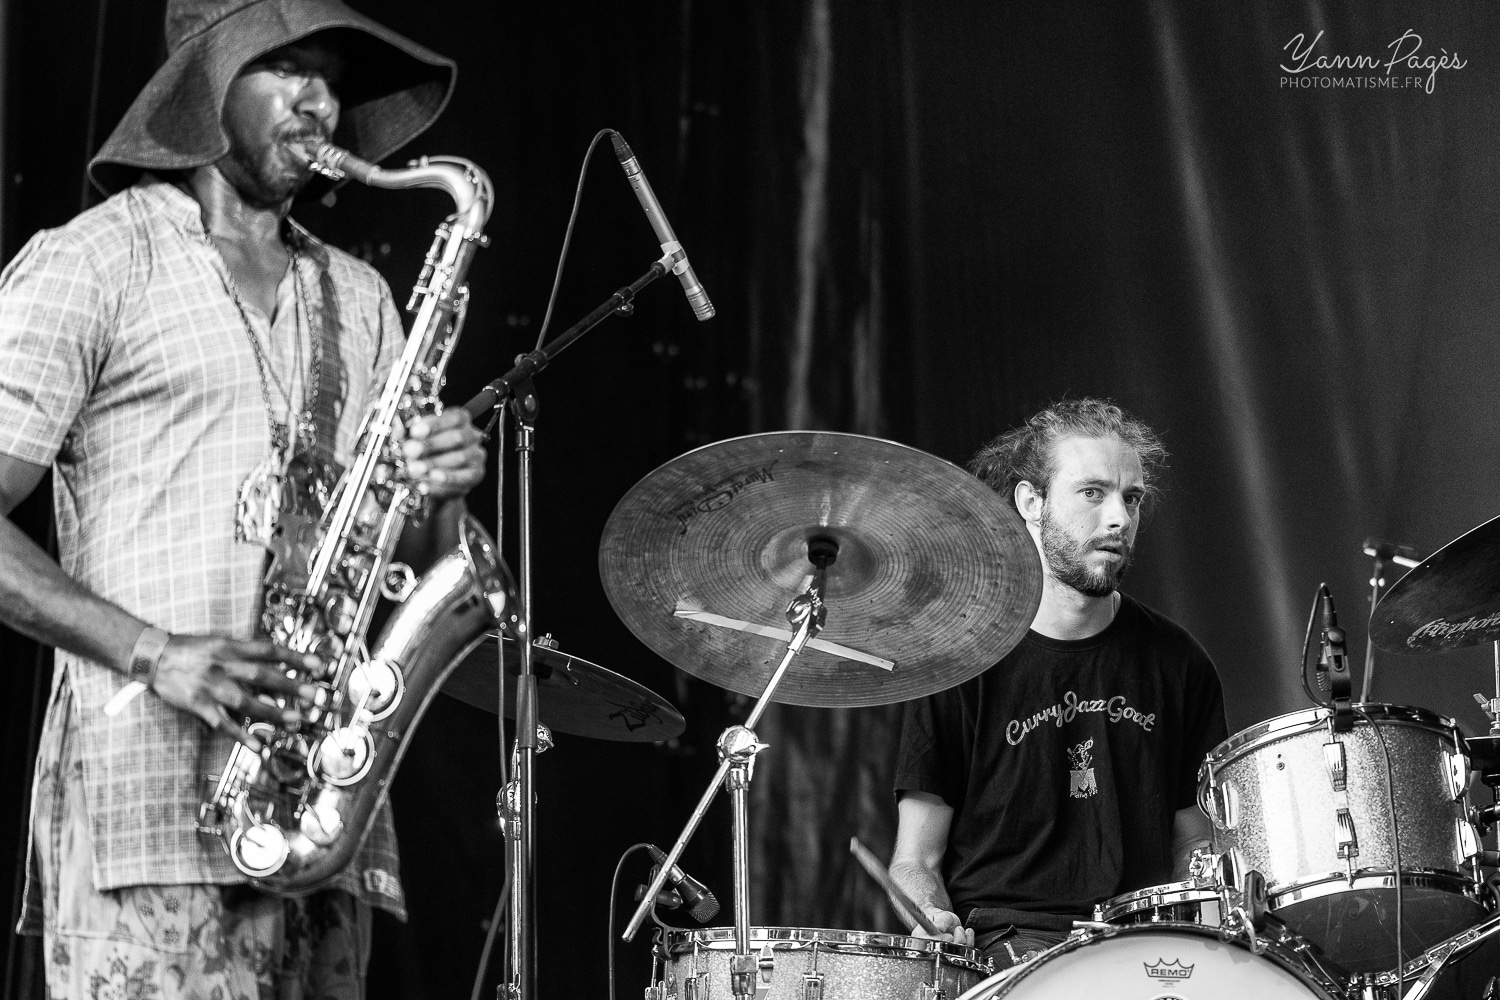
921, 222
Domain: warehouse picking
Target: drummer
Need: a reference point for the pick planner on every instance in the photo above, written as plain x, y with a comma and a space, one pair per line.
1067, 772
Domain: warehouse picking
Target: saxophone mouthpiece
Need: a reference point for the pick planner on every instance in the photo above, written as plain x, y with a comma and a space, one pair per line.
322, 158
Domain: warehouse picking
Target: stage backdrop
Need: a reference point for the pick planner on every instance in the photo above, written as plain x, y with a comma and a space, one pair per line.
922, 222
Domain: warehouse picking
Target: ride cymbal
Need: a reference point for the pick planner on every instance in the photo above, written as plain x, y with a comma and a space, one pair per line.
1449, 600
935, 576
574, 696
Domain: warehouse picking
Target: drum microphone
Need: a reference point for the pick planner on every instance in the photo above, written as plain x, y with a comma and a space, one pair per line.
700, 902
1334, 662
697, 297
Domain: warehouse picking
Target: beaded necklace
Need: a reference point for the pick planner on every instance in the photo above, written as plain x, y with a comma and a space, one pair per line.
264, 495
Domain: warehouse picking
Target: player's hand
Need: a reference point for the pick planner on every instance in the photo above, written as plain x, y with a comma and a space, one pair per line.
444, 454
950, 928
219, 680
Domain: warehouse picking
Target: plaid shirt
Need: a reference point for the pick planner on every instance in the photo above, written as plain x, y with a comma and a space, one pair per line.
127, 367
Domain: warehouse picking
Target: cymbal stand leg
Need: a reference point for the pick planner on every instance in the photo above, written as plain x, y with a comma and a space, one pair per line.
808, 613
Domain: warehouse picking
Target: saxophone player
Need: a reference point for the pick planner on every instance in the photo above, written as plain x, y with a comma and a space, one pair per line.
182, 356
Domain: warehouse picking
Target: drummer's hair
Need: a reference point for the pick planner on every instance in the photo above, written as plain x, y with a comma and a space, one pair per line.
1025, 453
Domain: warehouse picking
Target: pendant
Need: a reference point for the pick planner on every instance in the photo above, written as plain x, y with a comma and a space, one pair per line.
306, 487
262, 493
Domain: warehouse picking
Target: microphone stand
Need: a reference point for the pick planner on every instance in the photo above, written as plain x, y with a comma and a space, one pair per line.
515, 389
738, 746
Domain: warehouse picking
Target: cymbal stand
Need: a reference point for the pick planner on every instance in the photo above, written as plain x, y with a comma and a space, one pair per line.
737, 749
1384, 553
515, 388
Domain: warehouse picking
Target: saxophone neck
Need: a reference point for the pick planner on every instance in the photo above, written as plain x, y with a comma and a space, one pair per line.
463, 180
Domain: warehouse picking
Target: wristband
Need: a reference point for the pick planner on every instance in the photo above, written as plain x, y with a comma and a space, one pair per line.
147, 654
142, 668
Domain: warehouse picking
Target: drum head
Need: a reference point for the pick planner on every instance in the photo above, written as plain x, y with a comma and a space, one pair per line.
1151, 961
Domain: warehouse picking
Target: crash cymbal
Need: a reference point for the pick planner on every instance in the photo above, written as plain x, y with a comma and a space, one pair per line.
574, 696
934, 580
1449, 600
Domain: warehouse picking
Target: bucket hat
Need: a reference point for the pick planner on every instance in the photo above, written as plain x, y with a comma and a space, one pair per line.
391, 91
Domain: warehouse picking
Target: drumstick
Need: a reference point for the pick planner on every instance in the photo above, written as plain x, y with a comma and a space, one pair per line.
913, 912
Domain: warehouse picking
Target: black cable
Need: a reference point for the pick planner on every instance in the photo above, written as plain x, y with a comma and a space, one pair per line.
541, 336
1307, 647
614, 885
92, 128
1390, 791
496, 919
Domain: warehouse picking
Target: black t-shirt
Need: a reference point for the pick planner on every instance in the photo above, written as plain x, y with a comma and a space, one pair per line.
1064, 764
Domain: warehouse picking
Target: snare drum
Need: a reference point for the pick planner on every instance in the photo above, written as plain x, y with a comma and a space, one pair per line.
1312, 812
833, 964
1156, 961
1176, 902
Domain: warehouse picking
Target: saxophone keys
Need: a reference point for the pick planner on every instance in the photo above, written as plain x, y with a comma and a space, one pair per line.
258, 849
375, 687
398, 583
339, 613
321, 822
343, 756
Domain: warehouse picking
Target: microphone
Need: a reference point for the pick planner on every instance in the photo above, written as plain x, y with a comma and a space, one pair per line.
700, 902
697, 297
1334, 662
1401, 555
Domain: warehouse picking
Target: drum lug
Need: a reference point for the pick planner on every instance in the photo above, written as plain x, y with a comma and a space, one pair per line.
1468, 840
812, 986
1346, 840
927, 992
767, 965
690, 989
1337, 764
1456, 769
1223, 805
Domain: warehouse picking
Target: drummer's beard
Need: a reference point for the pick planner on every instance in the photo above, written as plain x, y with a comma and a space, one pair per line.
1068, 558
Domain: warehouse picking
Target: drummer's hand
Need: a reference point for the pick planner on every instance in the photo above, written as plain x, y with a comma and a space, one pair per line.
950, 928
445, 453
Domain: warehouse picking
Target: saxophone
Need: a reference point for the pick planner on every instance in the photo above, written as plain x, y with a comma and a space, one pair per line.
293, 815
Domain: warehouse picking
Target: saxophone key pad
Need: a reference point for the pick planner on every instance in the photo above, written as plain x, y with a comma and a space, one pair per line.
258, 849
320, 822
343, 756
375, 687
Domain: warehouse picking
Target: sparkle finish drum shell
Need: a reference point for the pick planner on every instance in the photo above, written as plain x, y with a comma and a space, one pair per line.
833, 964
1273, 794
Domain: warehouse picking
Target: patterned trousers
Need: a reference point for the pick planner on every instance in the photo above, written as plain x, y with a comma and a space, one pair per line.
179, 942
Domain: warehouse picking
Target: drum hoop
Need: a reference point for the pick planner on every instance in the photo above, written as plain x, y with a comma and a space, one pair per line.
1308, 720
1080, 938
1169, 894
1133, 903
844, 942
1337, 883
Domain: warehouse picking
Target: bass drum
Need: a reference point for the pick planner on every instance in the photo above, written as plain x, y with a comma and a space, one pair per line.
1156, 961
809, 961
